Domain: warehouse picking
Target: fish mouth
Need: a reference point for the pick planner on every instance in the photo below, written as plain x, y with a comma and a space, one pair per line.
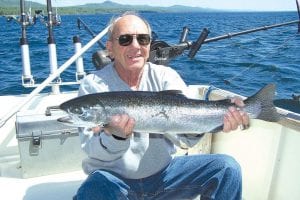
73, 122
66, 120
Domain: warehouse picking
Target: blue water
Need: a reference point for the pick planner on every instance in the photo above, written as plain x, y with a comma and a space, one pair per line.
241, 64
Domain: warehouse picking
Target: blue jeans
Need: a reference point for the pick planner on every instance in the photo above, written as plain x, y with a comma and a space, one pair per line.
211, 176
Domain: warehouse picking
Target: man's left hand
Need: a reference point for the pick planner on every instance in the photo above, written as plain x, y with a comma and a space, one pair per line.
234, 117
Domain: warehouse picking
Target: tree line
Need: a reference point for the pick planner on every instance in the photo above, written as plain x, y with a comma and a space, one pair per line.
62, 11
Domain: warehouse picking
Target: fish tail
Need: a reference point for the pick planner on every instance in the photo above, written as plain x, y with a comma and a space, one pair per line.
264, 99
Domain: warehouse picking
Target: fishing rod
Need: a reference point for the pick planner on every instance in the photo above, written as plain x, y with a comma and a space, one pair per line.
202, 38
51, 77
298, 9
27, 78
80, 21
196, 46
52, 47
230, 35
99, 58
161, 52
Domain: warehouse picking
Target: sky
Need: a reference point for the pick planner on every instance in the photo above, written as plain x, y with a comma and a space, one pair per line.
255, 5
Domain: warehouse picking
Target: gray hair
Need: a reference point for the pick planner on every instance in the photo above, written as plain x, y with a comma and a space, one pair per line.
116, 18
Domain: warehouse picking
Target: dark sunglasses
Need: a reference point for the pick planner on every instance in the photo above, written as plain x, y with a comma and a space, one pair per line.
126, 39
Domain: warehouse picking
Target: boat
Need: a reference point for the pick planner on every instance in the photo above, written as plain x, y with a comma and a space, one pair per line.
31, 19
41, 158
17, 18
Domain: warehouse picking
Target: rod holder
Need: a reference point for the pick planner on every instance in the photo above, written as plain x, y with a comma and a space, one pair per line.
196, 45
80, 74
52, 49
27, 78
184, 33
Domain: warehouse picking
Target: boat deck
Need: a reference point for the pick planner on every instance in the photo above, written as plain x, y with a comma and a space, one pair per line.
268, 154
51, 187
13, 186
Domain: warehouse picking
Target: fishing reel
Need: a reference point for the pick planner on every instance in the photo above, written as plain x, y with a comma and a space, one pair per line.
101, 58
160, 51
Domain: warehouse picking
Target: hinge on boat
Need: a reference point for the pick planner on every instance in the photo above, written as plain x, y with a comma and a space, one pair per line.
50, 108
35, 143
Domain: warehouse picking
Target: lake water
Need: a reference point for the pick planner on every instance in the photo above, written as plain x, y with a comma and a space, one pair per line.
240, 64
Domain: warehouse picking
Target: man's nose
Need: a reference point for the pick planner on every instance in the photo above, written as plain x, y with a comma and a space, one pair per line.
135, 41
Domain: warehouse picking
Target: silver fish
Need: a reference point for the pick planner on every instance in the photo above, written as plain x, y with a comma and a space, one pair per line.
163, 112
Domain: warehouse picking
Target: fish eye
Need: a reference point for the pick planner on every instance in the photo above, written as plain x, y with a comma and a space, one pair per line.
77, 111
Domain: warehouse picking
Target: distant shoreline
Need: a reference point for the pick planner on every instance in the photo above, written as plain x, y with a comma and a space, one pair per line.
12, 8
78, 10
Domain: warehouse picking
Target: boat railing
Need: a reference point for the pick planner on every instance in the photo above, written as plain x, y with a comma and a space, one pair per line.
53, 76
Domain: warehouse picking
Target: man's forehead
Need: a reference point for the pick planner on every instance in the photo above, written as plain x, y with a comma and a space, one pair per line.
129, 23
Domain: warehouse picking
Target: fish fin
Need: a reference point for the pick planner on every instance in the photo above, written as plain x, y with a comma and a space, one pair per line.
174, 140
171, 92
265, 98
224, 101
177, 93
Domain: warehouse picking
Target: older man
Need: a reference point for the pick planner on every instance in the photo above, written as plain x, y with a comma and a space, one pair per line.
123, 164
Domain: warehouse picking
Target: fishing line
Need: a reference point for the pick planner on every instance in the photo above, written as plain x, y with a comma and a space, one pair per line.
276, 51
239, 74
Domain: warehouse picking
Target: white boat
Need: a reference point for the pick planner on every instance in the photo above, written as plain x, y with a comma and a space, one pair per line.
41, 160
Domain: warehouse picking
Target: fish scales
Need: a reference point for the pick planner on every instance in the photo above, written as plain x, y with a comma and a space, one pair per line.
163, 112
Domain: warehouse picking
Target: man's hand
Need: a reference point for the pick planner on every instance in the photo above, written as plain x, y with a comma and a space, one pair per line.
120, 125
235, 118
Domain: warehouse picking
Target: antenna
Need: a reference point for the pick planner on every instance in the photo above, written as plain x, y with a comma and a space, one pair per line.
298, 9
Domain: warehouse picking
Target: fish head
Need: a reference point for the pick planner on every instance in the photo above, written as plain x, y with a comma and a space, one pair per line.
83, 114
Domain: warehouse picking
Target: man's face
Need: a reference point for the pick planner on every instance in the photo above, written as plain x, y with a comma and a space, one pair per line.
133, 56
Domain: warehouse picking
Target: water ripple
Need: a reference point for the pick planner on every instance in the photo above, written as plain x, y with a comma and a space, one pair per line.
241, 64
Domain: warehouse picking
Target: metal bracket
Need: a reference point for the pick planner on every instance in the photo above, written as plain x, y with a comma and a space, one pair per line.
35, 143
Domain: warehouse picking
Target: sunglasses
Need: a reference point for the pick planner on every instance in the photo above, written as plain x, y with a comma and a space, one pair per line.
126, 39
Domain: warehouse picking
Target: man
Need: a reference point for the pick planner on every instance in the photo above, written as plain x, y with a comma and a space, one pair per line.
123, 164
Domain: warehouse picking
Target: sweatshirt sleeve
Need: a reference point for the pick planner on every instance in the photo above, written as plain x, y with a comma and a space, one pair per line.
102, 146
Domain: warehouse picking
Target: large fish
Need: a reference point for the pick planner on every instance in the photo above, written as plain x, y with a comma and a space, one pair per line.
163, 112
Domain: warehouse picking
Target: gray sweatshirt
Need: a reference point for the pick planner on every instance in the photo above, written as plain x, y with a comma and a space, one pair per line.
143, 154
